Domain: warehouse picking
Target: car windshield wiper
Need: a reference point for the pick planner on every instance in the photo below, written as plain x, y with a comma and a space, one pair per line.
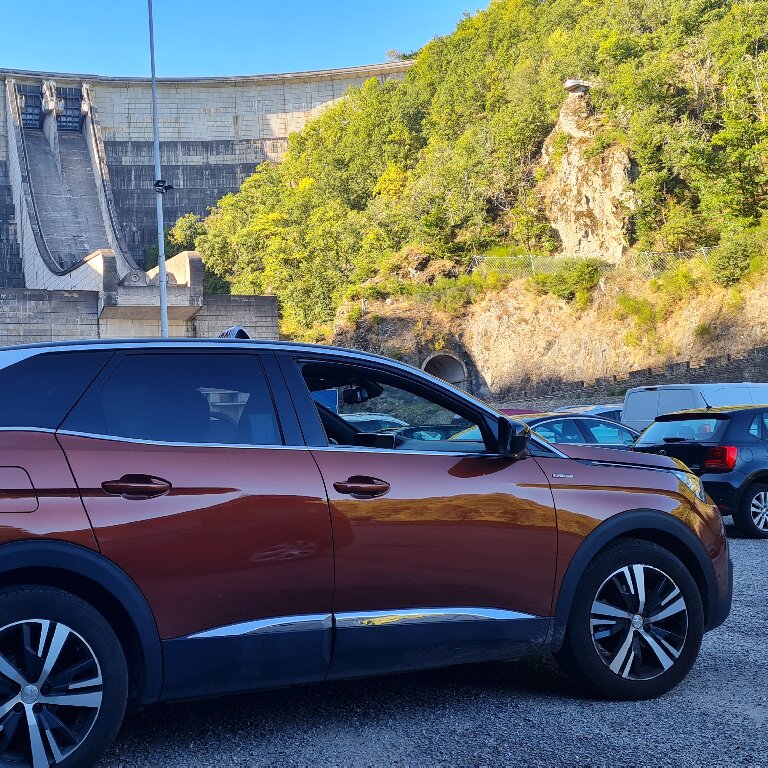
674, 439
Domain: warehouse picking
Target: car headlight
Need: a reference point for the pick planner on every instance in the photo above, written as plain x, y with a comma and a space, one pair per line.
693, 482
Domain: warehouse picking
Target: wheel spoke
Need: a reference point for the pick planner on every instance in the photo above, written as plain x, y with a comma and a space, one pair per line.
617, 664
60, 635
64, 678
661, 654
8, 670
88, 700
7, 707
639, 573
670, 610
39, 756
603, 609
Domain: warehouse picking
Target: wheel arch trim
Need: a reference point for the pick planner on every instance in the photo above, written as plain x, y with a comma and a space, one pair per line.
92, 566
623, 525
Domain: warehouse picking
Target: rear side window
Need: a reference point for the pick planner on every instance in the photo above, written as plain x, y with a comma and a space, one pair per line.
692, 430
39, 391
606, 433
212, 399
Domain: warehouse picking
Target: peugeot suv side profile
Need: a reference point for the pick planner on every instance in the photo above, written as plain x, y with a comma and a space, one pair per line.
194, 517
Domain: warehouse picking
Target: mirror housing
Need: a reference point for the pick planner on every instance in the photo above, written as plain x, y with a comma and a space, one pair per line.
513, 438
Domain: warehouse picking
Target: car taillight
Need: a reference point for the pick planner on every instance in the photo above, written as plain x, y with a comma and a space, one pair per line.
721, 457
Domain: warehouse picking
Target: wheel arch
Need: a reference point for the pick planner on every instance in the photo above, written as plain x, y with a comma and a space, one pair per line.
649, 525
104, 585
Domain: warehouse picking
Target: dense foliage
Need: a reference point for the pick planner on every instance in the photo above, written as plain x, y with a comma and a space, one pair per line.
441, 166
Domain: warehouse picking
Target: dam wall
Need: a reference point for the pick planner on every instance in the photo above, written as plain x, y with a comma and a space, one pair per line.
78, 205
213, 133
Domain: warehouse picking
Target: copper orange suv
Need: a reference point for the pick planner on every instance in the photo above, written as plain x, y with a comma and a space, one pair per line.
187, 518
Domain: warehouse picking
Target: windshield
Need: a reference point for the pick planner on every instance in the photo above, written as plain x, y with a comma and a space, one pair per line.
700, 429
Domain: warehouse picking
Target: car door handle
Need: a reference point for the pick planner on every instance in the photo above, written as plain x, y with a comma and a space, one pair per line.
361, 485
137, 487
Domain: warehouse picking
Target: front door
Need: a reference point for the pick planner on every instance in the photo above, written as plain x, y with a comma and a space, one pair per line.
445, 551
191, 489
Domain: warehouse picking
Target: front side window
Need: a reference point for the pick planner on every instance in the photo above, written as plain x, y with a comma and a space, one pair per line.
220, 399
364, 407
559, 431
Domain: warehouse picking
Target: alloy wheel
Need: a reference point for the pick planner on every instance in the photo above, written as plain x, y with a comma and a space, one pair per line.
759, 510
639, 622
50, 692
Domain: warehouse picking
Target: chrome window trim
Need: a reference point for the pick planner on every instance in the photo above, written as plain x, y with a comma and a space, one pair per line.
276, 625
28, 429
396, 451
141, 441
355, 619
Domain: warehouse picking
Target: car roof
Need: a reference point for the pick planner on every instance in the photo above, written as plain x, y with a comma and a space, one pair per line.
17, 352
710, 412
698, 387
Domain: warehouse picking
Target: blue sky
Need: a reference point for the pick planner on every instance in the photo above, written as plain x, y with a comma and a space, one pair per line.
217, 37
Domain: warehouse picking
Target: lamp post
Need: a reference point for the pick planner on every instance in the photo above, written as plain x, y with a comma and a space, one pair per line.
160, 189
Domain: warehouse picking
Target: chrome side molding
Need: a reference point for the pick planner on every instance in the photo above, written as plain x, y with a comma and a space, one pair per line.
279, 624
426, 616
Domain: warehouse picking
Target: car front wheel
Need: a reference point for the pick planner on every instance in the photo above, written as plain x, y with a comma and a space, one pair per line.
636, 623
63, 680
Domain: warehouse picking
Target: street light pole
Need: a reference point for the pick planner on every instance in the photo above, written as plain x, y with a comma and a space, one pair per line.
160, 189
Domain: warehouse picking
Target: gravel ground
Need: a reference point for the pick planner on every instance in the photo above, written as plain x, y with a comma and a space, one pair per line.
523, 713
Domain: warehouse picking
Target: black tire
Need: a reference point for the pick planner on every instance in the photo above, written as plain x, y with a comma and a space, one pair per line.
596, 640
751, 518
77, 705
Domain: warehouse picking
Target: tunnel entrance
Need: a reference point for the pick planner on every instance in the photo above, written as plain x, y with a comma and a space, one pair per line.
447, 367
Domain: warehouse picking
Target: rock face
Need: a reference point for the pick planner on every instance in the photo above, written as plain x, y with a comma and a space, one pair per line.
584, 193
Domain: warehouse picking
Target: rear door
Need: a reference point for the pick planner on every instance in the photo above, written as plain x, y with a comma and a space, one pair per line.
214, 508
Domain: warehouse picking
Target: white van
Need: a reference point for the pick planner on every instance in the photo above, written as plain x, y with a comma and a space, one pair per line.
643, 404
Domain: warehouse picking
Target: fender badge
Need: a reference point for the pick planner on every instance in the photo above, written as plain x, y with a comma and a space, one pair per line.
561, 474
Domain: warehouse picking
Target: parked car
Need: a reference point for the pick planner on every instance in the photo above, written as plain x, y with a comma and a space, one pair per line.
643, 404
374, 422
574, 430
610, 411
582, 430
153, 548
728, 449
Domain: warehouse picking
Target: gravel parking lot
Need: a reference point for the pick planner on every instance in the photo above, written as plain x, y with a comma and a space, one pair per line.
524, 713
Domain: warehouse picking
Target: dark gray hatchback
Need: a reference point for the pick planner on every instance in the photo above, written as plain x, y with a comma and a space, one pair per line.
728, 449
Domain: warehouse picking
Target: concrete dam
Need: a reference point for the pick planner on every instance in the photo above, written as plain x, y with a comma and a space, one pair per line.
77, 204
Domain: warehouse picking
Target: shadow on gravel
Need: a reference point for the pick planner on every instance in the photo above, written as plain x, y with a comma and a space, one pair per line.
342, 704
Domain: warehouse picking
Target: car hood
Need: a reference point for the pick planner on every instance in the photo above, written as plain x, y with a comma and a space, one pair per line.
614, 456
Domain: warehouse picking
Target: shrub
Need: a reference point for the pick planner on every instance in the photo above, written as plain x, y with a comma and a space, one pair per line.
731, 260
575, 280
703, 331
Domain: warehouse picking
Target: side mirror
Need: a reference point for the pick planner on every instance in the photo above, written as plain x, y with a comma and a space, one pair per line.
513, 438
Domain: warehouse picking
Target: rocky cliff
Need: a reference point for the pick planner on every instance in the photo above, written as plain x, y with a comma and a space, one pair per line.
584, 188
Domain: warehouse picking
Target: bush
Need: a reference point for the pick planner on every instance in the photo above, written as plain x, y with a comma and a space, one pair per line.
731, 261
574, 280
642, 312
